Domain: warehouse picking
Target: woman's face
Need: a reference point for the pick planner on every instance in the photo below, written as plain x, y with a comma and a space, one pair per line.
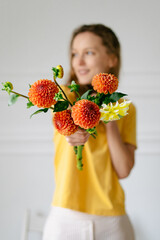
89, 57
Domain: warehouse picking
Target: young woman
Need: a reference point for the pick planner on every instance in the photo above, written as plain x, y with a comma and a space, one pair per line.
90, 204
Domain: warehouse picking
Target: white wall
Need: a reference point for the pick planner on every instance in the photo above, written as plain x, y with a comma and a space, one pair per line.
34, 38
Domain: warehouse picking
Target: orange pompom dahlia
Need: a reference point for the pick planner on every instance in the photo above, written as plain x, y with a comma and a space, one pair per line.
104, 83
42, 93
64, 123
86, 114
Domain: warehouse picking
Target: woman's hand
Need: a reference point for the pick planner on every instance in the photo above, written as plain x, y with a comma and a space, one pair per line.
78, 138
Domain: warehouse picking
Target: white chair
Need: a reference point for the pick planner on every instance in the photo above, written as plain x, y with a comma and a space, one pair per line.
33, 223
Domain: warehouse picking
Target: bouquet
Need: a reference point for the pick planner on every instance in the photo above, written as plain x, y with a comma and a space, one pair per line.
100, 104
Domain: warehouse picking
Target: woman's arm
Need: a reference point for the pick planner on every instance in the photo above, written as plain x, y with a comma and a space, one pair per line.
122, 154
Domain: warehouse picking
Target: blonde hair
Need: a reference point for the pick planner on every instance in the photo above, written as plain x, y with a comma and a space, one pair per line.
109, 40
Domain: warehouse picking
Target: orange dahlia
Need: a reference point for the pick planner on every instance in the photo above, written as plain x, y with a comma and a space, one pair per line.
64, 123
104, 83
42, 93
86, 114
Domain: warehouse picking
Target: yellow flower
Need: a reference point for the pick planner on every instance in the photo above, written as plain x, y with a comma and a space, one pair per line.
114, 111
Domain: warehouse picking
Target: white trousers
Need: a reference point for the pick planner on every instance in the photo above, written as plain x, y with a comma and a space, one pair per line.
66, 224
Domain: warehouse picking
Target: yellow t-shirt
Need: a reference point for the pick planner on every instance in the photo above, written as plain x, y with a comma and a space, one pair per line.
95, 189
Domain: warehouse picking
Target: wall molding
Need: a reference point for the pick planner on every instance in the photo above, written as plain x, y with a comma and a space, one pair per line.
42, 143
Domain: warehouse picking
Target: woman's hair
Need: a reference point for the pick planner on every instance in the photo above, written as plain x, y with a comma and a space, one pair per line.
109, 40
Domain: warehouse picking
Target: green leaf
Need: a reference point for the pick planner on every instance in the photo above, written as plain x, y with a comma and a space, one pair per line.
107, 100
92, 130
39, 111
29, 104
106, 122
86, 94
74, 87
58, 96
13, 99
100, 98
55, 72
116, 96
61, 106
91, 98
120, 116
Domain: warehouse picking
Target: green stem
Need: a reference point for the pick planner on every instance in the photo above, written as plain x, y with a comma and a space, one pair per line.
92, 134
75, 149
79, 157
64, 99
62, 91
21, 95
78, 94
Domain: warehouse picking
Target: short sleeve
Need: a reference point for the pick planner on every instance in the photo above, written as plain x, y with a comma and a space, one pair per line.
129, 127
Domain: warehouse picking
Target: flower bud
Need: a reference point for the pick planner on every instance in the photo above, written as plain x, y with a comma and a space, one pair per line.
60, 71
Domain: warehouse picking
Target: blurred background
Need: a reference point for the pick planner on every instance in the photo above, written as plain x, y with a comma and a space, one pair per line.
35, 37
